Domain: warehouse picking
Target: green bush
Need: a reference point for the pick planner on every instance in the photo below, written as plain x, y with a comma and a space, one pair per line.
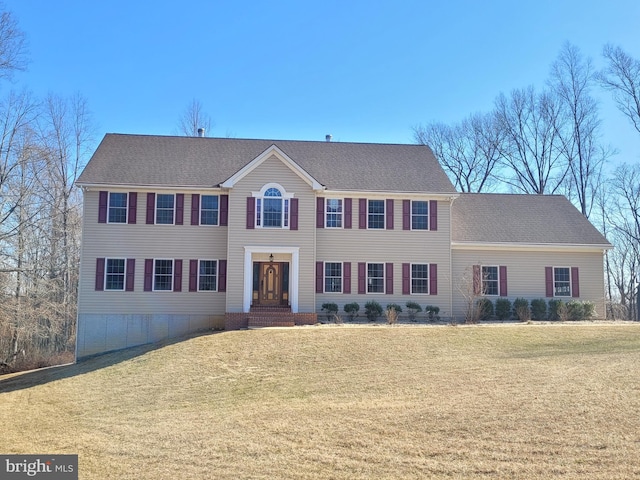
485, 309
588, 310
372, 310
351, 309
555, 308
432, 312
503, 309
413, 309
331, 309
395, 307
521, 309
575, 310
538, 309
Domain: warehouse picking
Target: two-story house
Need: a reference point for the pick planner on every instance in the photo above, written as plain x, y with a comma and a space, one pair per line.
182, 234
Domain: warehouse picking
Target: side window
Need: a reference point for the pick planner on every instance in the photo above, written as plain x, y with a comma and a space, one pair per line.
333, 277
333, 213
165, 204
490, 283
163, 275
375, 214
419, 215
375, 278
117, 207
209, 210
207, 275
562, 281
114, 274
420, 278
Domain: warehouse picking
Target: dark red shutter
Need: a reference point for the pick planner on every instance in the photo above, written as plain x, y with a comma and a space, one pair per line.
503, 281
131, 271
102, 206
151, 208
433, 215
362, 277
319, 277
362, 213
251, 212
477, 280
347, 213
133, 207
99, 274
222, 275
293, 223
193, 275
195, 209
177, 275
433, 279
406, 278
319, 212
224, 210
406, 214
548, 281
389, 212
389, 279
575, 282
346, 277
179, 208
148, 274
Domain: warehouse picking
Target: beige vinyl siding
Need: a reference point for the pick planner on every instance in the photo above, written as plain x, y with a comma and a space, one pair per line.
272, 170
526, 274
141, 241
397, 246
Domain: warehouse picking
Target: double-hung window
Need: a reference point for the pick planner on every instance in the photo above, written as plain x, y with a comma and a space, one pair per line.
208, 275
375, 217
165, 204
114, 274
490, 281
117, 207
163, 275
209, 210
375, 278
333, 213
420, 278
562, 281
419, 215
333, 277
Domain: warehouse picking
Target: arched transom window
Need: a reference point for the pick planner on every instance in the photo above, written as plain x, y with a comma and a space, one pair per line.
272, 207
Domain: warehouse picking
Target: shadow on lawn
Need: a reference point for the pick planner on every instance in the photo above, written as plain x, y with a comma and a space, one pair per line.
21, 381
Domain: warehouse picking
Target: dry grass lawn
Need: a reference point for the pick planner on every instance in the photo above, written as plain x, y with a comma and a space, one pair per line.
519, 401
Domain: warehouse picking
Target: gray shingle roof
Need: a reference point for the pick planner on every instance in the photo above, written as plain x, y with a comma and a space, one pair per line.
206, 162
526, 219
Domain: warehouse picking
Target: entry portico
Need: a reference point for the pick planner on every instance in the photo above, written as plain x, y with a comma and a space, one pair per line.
271, 276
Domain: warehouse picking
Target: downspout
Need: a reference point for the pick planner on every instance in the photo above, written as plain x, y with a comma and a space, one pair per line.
452, 199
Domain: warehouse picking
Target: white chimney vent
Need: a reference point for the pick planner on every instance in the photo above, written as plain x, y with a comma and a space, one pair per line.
328, 138
201, 132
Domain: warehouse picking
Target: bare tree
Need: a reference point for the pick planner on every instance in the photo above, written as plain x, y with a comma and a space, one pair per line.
622, 78
468, 151
12, 46
531, 153
572, 78
193, 119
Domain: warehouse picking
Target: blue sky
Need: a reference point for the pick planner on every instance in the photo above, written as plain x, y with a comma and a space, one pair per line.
363, 71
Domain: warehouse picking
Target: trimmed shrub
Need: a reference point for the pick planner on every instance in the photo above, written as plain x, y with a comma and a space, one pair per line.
394, 306
538, 309
432, 312
521, 309
351, 309
588, 310
503, 309
575, 311
413, 309
555, 308
485, 309
372, 310
331, 309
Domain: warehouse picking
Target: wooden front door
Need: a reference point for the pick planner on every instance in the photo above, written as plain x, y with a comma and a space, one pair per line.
270, 284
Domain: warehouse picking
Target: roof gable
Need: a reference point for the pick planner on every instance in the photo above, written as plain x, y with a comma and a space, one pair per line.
283, 157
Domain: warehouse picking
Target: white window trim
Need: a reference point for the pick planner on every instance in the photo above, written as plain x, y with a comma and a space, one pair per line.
155, 212
217, 273
200, 212
173, 271
497, 267
126, 208
411, 292
285, 196
326, 213
411, 216
294, 273
553, 273
384, 277
324, 277
384, 214
124, 275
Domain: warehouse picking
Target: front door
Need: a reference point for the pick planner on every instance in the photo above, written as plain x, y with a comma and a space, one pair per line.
270, 283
